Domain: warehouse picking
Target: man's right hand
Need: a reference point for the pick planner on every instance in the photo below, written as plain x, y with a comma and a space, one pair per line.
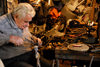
16, 40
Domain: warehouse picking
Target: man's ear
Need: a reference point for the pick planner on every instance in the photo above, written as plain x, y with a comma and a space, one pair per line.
15, 16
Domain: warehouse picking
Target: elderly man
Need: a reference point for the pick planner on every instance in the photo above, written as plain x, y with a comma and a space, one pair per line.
13, 30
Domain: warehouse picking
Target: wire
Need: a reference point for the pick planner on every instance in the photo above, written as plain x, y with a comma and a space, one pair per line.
91, 61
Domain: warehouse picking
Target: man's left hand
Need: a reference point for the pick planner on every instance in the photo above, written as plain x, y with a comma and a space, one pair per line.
39, 42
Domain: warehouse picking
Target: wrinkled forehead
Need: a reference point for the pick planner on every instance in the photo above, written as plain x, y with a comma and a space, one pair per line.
27, 18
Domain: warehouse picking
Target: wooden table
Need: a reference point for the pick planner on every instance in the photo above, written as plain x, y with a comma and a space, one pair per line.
74, 55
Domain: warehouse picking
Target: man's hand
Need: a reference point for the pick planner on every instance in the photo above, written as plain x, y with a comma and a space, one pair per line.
16, 40
39, 41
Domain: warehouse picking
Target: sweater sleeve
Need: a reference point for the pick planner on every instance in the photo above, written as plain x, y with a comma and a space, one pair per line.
3, 39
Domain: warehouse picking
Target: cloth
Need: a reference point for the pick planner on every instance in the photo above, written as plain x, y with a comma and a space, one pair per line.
21, 60
54, 13
7, 28
1, 63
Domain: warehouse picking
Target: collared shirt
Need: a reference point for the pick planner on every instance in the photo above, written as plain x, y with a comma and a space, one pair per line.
8, 27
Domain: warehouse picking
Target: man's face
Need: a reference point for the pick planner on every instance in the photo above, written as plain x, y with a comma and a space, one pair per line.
22, 23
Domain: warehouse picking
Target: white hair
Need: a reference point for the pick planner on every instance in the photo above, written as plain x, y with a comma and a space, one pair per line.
24, 9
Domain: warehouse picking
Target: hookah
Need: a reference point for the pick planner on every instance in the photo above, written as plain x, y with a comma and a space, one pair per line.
37, 55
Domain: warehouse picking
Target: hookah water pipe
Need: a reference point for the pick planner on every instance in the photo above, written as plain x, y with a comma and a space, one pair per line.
37, 55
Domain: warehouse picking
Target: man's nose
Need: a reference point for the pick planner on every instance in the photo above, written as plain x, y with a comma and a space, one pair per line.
27, 24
